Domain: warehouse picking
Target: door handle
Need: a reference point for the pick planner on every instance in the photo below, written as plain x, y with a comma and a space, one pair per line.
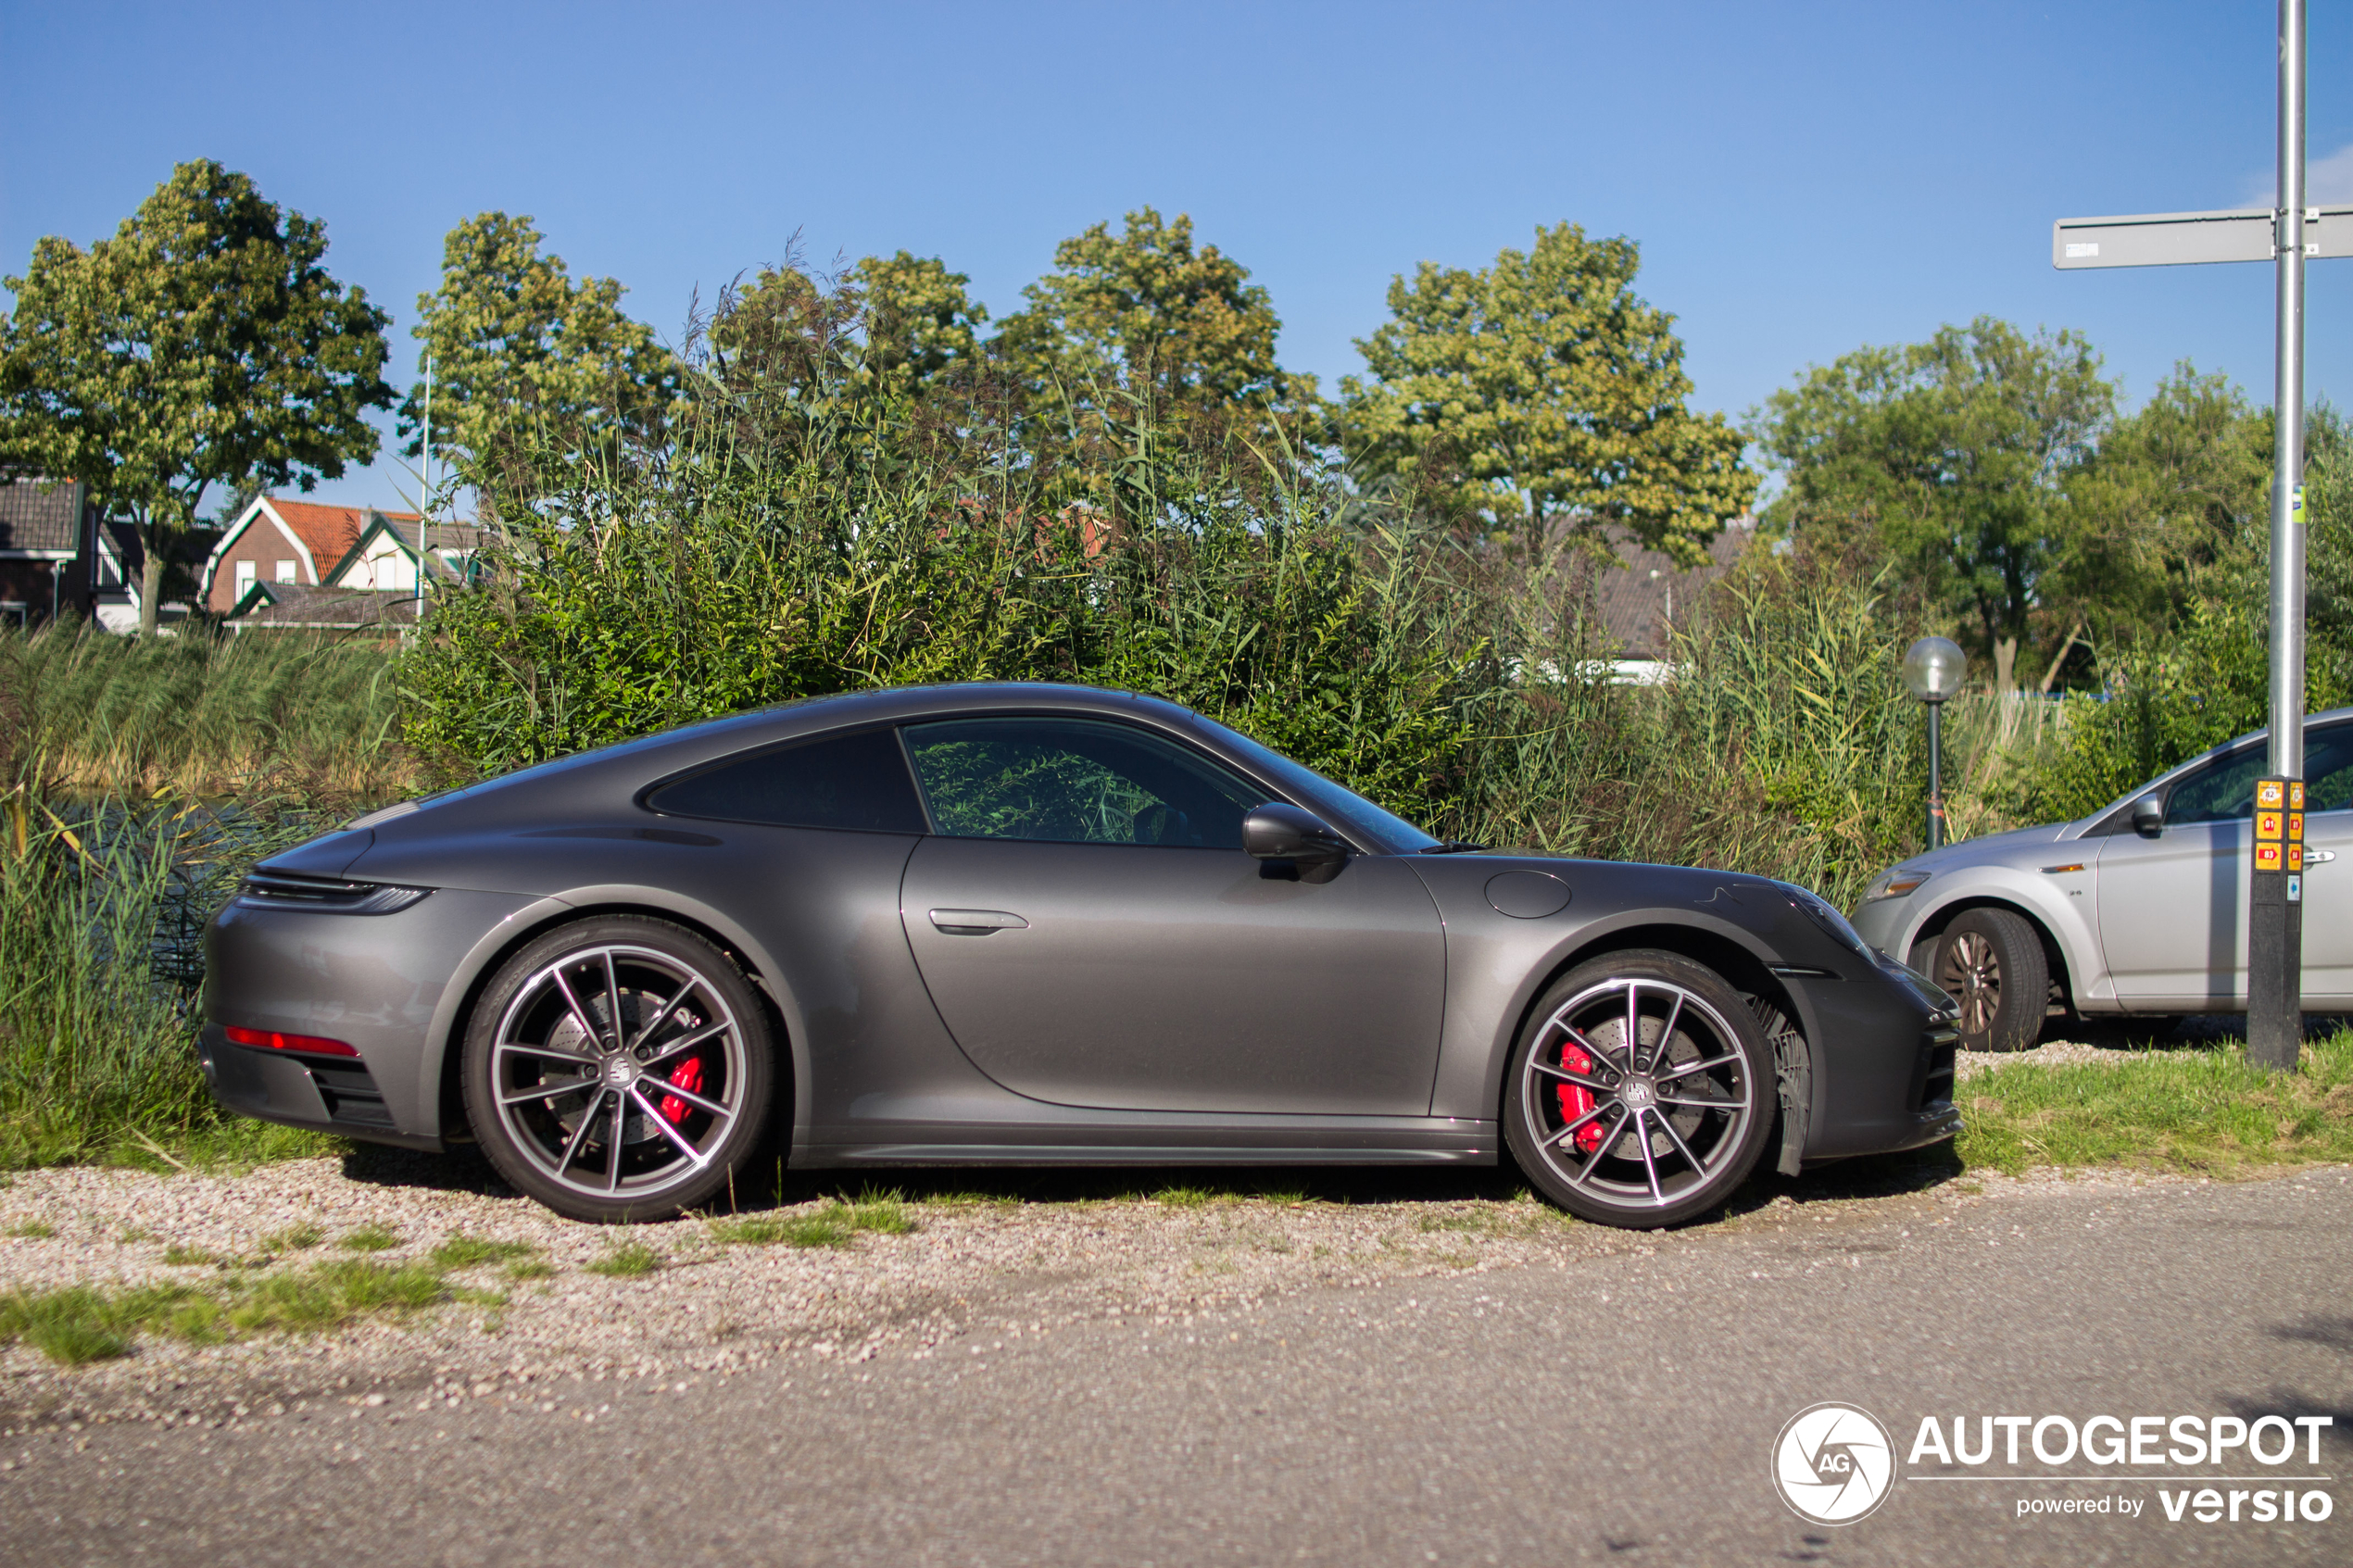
2319, 857
976, 923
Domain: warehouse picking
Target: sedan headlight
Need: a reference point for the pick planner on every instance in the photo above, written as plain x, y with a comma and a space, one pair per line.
1832, 923
1894, 884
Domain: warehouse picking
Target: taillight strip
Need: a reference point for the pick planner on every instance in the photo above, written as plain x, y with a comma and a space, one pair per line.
275, 1040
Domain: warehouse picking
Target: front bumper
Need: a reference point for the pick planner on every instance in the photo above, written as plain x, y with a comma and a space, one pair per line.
1883, 924
1884, 1060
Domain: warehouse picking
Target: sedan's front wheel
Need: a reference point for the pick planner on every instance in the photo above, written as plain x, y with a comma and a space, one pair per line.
1992, 964
1641, 1093
618, 1069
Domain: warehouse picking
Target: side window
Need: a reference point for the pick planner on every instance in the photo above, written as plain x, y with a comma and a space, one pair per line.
1075, 781
2328, 769
2221, 791
858, 781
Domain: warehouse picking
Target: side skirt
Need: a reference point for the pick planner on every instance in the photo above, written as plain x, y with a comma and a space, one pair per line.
1293, 1141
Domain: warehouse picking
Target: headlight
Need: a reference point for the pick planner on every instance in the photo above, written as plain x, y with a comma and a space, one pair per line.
1894, 884
1829, 919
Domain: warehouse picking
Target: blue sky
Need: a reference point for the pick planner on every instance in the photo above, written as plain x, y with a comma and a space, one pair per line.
1802, 178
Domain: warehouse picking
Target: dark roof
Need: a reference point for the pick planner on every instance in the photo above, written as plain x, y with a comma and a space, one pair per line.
297, 605
37, 514
424, 540
1646, 592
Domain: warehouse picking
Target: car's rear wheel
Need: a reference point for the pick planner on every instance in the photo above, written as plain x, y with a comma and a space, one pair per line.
1641, 1093
618, 1069
1991, 962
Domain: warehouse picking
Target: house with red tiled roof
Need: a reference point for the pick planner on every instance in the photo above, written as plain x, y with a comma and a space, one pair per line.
276, 540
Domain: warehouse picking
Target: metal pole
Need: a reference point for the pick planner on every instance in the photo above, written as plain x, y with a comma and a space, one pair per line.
2276, 944
1935, 776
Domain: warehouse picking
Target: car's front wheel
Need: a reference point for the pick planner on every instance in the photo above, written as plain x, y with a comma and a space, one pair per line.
1991, 962
1641, 1092
618, 1069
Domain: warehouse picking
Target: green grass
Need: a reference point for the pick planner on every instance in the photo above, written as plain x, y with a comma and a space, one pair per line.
294, 1238
369, 1238
472, 1252
836, 1225
1181, 1198
333, 1293
627, 1261
179, 1255
31, 1230
531, 1268
80, 1323
2204, 1111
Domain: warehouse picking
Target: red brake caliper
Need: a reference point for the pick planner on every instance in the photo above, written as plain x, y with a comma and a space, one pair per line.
1577, 1101
687, 1075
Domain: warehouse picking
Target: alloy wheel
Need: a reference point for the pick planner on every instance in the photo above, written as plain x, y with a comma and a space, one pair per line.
1637, 1093
618, 1072
1971, 975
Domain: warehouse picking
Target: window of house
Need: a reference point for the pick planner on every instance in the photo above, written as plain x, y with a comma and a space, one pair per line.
285, 571
243, 580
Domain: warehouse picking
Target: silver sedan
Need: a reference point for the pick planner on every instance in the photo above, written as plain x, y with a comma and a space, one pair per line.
2139, 910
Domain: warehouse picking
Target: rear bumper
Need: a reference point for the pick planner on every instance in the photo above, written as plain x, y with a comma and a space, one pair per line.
385, 985
325, 1094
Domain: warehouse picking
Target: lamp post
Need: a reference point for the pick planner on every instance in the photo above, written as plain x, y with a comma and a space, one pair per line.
1932, 668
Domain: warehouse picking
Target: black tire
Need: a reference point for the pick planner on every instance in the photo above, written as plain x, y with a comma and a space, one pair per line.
1701, 1099
1991, 962
613, 1127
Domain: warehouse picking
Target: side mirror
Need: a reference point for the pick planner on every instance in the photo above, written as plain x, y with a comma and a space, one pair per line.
2148, 816
1277, 832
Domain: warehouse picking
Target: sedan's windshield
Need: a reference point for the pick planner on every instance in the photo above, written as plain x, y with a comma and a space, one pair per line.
1355, 814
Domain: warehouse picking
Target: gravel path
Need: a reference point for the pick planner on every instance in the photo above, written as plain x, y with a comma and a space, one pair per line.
980, 1270
973, 1263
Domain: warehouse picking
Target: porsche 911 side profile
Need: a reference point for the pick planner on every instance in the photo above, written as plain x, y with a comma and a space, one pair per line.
1038, 924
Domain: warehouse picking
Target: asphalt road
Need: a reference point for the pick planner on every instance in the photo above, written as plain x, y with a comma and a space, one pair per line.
1619, 1409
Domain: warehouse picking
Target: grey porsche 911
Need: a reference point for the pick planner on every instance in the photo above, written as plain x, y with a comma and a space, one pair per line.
1038, 924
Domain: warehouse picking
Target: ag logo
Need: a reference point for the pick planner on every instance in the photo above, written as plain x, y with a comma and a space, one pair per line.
1833, 1463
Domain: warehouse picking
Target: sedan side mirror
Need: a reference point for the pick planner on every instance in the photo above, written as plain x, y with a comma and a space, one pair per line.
1277, 832
2148, 815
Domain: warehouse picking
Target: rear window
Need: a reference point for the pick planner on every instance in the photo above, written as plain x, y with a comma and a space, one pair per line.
855, 782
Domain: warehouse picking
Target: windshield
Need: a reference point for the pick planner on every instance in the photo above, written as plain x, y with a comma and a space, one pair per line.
1352, 811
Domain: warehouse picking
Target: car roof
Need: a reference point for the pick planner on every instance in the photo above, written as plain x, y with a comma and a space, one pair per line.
649, 756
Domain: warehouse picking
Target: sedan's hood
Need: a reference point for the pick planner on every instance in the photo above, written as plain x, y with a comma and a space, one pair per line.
1994, 846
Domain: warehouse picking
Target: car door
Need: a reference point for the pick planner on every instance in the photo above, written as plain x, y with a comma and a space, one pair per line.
1093, 933
2328, 871
2172, 906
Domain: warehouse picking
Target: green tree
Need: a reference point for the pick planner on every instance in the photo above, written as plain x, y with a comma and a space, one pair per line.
920, 324
204, 344
1543, 393
1957, 454
516, 342
1177, 328
2170, 488
902, 324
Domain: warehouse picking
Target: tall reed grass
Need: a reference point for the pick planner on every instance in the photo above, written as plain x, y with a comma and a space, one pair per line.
268, 714
138, 778
101, 906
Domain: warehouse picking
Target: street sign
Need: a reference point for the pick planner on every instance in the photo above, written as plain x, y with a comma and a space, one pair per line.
2288, 237
2174, 239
